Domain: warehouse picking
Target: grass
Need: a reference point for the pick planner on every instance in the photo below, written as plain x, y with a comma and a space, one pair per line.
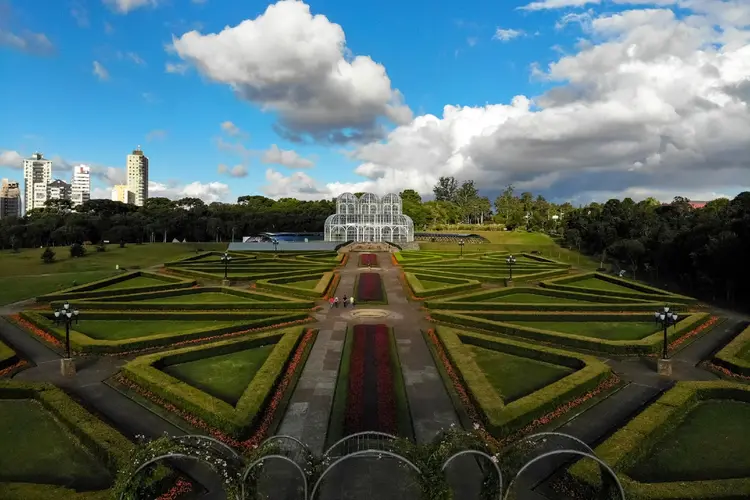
431, 285
24, 275
199, 298
713, 442
606, 330
600, 284
138, 281
743, 354
119, 329
6, 352
535, 298
35, 448
514, 376
225, 376
306, 284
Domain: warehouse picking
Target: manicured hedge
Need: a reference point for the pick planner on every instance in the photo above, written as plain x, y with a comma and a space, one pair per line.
250, 274
93, 289
236, 421
8, 356
202, 257
259, 300
729, 356
489, 277
503, 419
452, 285
83, 343
285, 285
634, 442
108, 445
639, 291
650, 344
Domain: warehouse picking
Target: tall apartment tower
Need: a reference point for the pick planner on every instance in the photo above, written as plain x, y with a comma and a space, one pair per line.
137, 170
121, 193
37, 173
81, 185
10, 199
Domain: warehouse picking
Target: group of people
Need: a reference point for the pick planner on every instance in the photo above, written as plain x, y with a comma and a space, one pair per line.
334, 301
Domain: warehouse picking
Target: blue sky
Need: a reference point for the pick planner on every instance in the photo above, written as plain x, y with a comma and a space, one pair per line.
435, 53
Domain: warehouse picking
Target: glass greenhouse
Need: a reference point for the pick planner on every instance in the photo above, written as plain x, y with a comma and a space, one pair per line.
369, 218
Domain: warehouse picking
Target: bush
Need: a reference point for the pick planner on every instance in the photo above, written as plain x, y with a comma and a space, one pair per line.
101, 247
48, 256
77, 250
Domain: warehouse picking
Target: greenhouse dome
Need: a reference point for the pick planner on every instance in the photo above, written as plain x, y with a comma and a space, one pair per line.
369, 218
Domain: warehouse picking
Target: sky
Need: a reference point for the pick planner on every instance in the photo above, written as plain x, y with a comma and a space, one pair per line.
576, 100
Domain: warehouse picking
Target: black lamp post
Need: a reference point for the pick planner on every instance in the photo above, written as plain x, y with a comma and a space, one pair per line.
276, 245
666, 318
461, 244
226, 259
67, 315
511, 261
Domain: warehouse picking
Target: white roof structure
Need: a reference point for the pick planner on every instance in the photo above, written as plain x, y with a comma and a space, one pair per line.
369, 218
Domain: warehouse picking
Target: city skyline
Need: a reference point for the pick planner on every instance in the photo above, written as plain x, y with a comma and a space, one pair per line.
576, 100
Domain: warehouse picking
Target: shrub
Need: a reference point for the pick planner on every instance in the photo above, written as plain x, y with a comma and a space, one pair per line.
48, 256
101, 247
77, 250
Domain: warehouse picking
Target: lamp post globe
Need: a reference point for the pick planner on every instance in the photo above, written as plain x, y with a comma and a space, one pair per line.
226, 259
461, 245
665, 317
511, 261
66, 314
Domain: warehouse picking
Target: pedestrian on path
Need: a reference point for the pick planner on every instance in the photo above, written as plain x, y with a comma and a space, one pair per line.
336, 302
330, 301
351, 299
346, 301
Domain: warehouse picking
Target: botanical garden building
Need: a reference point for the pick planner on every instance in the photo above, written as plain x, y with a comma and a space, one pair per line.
369, 218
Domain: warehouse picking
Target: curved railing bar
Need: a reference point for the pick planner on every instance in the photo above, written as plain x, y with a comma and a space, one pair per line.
154, 460
357, 434
481, 454
213, 440
566, 452
562, 434
285, 436
280, 457
359, 454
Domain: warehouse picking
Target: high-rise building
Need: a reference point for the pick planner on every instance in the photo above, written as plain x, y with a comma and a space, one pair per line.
121, 193
58, 190
37, 173
137, 171
81, 185
10, 199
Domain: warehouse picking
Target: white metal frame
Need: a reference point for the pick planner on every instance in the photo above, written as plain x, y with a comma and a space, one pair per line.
369, 218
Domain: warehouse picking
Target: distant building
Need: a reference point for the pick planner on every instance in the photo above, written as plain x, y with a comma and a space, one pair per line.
10, 199
137, 175
369, 218
59, 190
81, 185
121, 193
37, 173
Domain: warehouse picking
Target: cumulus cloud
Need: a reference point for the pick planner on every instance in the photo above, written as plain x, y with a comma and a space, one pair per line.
558, 4
648, 99
298, 184
125, 6
27, 41
10, 159
238, 170
100, 71
232, 130
287, 158
297, 64
505, 35
178, 68
208, 192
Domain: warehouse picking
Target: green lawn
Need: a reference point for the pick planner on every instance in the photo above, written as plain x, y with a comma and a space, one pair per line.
744, 352
138, 281
226, 376
600, 284
120, 330
606, 330
199, 298
513, 376
18, 288
6, 352
306, 284
430, 285
534, 298
713, 442
35, 448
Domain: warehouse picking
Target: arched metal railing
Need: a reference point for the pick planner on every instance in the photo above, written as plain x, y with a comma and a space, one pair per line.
361, 441
482, 454
283, 458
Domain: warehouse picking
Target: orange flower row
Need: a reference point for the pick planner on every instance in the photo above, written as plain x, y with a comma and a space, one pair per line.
721, 369
344, 260
692, 333
394, 260
181, 487
32, 328
332, 286
13, 368
405, 284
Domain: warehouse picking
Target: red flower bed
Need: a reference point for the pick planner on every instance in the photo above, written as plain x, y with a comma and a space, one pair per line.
180, 488
371, 402
344, 260
368, 259
13, 368
394, 260
692, 333
331, 291
370, 288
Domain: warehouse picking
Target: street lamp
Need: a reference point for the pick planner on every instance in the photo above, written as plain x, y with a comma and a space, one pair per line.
275, 245
67, 315
666, 318
461, 244
226, 259
511, 261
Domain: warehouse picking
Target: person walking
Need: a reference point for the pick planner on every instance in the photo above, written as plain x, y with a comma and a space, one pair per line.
336, 302
330, 301
346, 301
351, 299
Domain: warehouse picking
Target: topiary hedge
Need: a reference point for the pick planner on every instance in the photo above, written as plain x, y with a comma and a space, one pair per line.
639, 291
452, 285
285, 285
503, 419
236, 421
8, 356
245, 321
650, 344
733, 357
635, 441
95, 288
108, 445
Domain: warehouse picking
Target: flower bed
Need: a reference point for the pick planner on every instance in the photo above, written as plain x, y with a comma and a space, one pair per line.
371, 401
368, 259
369, 289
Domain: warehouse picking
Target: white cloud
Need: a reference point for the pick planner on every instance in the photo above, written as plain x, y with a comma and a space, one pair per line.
27, 41
208, 192
100, 71
297, 65
558, 4
125, 6
178, 68
288, 158
232, 130
505, 35
80, 14
238, 170
298, 185
132, 56
156, 135
10, 159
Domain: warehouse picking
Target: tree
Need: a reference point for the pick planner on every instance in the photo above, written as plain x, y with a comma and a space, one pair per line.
48, 256
631, 251
77, 250
445, 189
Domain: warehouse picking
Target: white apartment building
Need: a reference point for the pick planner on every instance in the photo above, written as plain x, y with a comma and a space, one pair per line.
121, 193
80, 185
137, 172
58, 190
37, 173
